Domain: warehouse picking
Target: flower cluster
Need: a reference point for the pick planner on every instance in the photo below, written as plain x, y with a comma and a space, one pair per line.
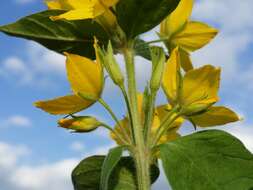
191, 95
89, 33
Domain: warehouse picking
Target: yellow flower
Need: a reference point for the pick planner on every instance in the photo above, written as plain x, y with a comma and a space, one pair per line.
185, 34
80, 9
160, 114
195, 93
87, 80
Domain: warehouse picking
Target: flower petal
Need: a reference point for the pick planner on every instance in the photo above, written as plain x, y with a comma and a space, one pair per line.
64, 105
79, 4
194, 36
178, 18
85, 76
76, 14
59, 4
80, 9
169, 137
201, 86
54, 4
171, 76
185, 60
214, 116
163, 110
109, 3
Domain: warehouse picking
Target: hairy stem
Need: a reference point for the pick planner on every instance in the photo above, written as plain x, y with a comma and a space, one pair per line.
141, 152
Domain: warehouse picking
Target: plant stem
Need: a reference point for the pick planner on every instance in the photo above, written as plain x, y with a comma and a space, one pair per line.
141, 152
123, 90
166, 124
150, 114
107, 107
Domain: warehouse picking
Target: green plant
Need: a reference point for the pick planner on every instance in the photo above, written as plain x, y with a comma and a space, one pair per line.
89, 33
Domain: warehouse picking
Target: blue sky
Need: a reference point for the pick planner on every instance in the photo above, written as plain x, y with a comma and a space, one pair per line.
36, 155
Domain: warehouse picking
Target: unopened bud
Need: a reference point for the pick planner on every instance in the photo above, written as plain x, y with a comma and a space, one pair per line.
158, 61
112, 67
81, 124
195, 109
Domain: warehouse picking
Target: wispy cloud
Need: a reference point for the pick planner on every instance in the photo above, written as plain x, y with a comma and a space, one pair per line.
51, 176
77, 146
15, 121
39, 67
16, 176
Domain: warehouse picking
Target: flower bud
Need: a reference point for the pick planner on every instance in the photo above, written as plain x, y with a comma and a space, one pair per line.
82, 124
158, 61
196, 108
112, 67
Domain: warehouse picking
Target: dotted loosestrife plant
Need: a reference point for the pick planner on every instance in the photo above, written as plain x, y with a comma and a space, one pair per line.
89, 33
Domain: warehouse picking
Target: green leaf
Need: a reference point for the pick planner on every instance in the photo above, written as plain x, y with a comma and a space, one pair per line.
71, 36
209, 160
142, 49
110, 162
86, 176
139, 16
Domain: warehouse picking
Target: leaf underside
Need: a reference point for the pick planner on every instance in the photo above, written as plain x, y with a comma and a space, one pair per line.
142, 15
61, 36
209, 160
86, 176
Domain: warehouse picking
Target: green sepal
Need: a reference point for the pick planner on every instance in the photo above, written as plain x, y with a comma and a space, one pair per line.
141, 48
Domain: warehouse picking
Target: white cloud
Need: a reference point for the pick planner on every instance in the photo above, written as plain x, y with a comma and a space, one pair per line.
40, 67
234, 38
51, 176
77, 146
15, 67
44, 60
102, 150
243, 132
9, 154
16, 176
229, 14
15, 121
